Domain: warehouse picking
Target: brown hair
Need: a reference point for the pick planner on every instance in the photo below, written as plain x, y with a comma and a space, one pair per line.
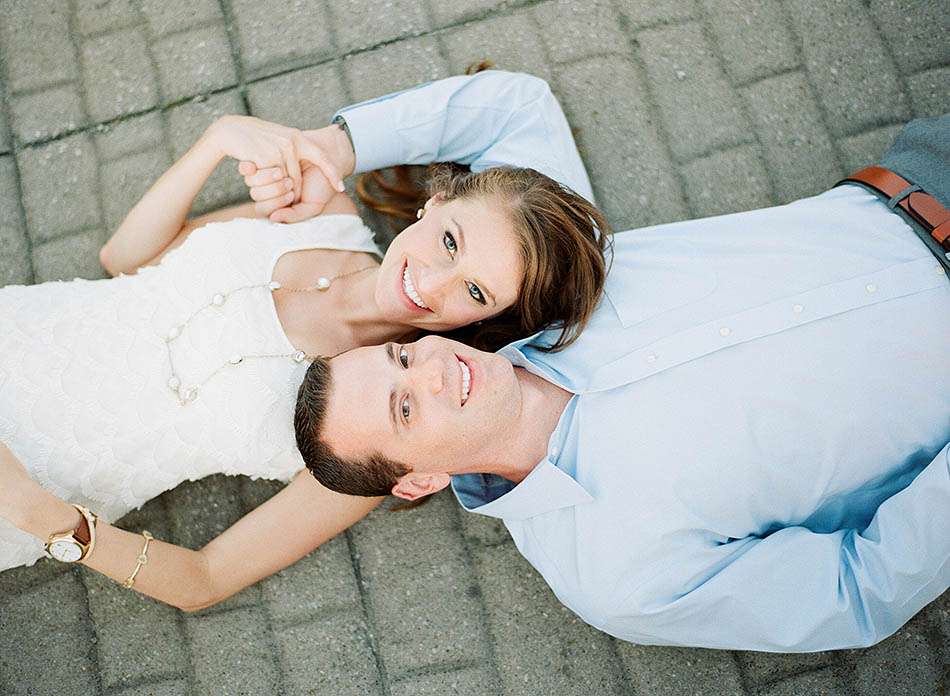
562, 238
372, 476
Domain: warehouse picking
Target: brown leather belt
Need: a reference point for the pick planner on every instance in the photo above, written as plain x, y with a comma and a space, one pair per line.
922, 207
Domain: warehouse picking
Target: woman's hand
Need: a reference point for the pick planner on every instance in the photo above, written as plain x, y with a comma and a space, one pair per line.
317, 188
270, 145
268, 188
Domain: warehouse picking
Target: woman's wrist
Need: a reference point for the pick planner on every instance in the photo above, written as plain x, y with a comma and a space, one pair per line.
41, 513
209, 145
336, 144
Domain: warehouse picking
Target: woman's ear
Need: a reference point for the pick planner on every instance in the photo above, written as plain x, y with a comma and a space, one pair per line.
413, 486
435, 199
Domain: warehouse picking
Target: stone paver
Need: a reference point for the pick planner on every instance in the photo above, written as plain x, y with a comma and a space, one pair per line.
47, 114
118, 75
692, 91
662, 671
789, 124
277, 36
193, 62
629, 164
751, 37
15, 265
681, 108
513, 41
359, 25
857, 93
58, 177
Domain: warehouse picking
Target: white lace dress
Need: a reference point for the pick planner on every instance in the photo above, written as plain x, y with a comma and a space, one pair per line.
85, 400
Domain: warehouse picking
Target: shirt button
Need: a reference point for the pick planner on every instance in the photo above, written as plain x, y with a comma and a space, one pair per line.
870, 287
798, 309
725, 331
651, 357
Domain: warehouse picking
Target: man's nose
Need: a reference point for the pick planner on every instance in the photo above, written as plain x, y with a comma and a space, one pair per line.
430, 375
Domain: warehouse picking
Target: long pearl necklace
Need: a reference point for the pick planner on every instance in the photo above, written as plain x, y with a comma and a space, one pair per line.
188, 394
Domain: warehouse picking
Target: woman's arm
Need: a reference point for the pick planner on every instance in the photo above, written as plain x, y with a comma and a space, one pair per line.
156, 222
267, 539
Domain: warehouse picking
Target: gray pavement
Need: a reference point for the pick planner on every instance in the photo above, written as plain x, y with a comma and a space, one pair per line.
682, 108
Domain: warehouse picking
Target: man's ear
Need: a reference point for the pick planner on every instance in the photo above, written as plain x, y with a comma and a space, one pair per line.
413, 486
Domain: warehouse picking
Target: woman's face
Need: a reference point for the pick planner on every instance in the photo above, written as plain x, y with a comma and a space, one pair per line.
457, 265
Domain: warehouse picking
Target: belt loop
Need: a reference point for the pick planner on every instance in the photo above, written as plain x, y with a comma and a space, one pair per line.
901, 195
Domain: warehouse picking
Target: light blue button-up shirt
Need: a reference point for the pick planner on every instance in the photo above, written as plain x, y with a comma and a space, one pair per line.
756, 453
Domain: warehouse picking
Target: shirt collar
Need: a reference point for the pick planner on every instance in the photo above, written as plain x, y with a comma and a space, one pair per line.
545, 489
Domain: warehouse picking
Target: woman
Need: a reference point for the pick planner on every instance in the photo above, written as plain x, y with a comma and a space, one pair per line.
187, 363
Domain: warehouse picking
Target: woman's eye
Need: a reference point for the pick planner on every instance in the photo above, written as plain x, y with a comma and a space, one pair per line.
405, 409
476, 293
404, 357
449, 242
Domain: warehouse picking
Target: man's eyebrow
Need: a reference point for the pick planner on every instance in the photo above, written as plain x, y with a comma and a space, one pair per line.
477, 282
390, 353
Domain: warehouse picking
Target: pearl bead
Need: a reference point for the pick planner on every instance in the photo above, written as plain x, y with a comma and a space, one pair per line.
323, 283
217, 300
236, 359
190, 394
299, 356
174, 383
274, 285
174, 333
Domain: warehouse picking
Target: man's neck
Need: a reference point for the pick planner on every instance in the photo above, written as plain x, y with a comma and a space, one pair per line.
542, 404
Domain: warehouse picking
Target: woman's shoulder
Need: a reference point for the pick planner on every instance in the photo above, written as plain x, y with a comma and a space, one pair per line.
333, 231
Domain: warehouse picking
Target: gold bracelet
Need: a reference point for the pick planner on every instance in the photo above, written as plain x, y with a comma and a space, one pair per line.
142, 560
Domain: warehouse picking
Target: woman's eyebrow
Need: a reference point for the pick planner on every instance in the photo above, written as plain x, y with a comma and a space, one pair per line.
477, 282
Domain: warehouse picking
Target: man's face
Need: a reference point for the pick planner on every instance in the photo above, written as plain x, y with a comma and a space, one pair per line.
436, 405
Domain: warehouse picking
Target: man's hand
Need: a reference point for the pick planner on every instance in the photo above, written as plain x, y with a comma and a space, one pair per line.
317, 188
266, 145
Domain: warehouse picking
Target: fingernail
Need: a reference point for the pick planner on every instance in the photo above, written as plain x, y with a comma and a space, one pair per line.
340, 187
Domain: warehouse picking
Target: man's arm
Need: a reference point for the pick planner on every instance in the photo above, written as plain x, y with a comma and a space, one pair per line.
798, 591
484, 120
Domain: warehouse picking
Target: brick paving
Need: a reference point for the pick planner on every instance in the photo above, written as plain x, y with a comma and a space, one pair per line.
683, 108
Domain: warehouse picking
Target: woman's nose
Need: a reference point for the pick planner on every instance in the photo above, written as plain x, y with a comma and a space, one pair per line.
434, 284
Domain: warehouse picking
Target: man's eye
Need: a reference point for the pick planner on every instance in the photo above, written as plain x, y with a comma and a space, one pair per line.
449, 242
404, 357
476, 293
405, 409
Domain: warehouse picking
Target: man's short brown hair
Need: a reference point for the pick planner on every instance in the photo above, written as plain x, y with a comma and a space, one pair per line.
372, 476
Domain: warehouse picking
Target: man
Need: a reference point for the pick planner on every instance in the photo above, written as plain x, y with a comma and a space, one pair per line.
747, 447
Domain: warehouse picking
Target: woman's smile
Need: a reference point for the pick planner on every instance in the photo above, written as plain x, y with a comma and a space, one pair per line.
410, 289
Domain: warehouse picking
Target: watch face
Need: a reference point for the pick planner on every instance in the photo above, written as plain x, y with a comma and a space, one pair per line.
65, 551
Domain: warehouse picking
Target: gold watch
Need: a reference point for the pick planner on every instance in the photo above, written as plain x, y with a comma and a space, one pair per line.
75, 545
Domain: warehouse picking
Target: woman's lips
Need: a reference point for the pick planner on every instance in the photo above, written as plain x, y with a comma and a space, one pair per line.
406, 300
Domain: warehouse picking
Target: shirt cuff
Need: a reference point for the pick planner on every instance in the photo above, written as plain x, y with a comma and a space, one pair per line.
374, 145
